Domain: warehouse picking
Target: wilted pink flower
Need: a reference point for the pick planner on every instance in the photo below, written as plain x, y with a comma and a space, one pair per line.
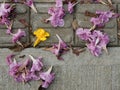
71, 6
16, 37
84, 34
5, 9
9, 59
57, 16
59, 3
36, 64
59, 49
18, 70
96, 50
96, 40
57, 13
47, 77
102, 19
6, 14
30, 3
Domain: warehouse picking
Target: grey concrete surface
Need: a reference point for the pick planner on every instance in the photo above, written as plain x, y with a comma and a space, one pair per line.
84, 72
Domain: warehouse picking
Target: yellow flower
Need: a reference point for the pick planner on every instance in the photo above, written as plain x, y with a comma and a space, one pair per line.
41, 35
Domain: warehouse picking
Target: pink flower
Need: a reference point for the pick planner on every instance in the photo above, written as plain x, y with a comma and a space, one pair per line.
84, 34
16, 37
96, 40
59, 49
57, 16
57, 13
71, 6
59, 3
36, 64
31, 4
18, 70
9, 59
6, 14
47, 77
102, 19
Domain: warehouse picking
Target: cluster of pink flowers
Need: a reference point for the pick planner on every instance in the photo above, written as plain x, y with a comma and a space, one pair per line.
6, 16
30, 69
102, 19
96, 41
57, 13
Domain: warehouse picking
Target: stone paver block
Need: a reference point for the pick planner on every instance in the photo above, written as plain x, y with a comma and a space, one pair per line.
22, 13
65, 32
81, 8
84, 21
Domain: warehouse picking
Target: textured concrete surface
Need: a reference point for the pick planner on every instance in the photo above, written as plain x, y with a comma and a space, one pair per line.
84, 72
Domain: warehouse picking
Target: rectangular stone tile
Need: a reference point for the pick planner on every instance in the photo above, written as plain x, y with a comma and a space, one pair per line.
81, 8
116, 77
65, 32
103, 78
84, 21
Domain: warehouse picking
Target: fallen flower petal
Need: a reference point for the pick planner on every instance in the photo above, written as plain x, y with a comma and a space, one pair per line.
31, 4
37, 64
9, 59
102, 19
84, 34
41, 35
71, 6
47, 77
16, 37
59, 49
57, 13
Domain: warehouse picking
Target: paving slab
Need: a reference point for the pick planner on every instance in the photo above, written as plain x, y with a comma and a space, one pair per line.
84, 72
22, 13
84, 22
65, 32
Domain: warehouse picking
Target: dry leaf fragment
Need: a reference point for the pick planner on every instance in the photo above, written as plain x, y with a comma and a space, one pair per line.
90, 14
77, 51
75, 24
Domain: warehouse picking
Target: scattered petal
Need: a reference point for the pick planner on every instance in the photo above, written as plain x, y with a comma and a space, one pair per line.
16, 37
47, 77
